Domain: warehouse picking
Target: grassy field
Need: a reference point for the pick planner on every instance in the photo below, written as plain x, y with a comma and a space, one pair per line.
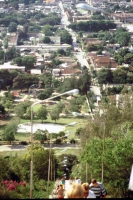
80, 122
73, 151
58, 152
12, 153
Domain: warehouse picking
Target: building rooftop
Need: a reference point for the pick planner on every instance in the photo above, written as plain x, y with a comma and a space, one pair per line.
86, 7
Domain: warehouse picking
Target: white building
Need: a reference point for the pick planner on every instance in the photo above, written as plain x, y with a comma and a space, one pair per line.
8, 66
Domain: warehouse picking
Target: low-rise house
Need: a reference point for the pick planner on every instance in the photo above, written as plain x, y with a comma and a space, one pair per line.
54, 39
12, 39
9, 67
35, 71
56, 72
112, 31
123, 17
67, 73
113, 46
44, 47
95, 41
21, 7
81, 18
4, 10
99, 61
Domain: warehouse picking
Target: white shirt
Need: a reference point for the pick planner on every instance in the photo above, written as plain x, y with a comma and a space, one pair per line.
91, 194
78, 180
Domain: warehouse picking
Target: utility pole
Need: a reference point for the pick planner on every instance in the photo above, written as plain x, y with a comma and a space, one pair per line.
103, 153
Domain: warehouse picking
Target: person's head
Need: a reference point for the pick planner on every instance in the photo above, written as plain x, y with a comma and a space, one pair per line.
93, 181
60, 186
86, 187
75, 191
76, 178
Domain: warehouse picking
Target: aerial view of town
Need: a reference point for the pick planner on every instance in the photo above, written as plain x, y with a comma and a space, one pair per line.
66, 99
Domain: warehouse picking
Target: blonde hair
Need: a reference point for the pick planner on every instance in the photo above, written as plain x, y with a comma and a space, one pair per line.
86, 186
75, 191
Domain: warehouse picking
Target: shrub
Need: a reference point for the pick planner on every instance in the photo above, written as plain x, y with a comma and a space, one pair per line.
72, 141
13, 190
58, 141
23, 143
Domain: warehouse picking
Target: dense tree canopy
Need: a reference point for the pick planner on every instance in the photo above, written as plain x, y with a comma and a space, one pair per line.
66, 37
92, 26
24, 81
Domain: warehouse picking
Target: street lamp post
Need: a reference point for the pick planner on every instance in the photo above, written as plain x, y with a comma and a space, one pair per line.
74, 91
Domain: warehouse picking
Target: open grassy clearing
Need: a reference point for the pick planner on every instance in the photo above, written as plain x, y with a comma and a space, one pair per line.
73, 151
80, 122
12, 153
58, 152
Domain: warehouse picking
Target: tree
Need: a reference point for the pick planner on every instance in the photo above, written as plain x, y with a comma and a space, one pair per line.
119, 76
61, 52
54, 113
8, 137
68, 84
24, 81
18, 61
46, 40
122, 37
92, 26
68, 51
105, 76
29, 62
8, 104
41, 135
84, 82
28, 113
42, 113
10, 130
119, 56
117, 159
66, 37
4, 168
6, 79
2, 109
12, 27
12, 53
47, 30
19, 110
5, 42
41, 161
79, 132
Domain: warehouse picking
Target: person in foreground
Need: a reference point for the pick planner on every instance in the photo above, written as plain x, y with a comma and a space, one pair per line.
60, 192
98, 190
75, 191
87, 192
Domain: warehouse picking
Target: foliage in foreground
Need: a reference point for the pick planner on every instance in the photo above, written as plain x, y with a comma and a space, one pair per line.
107, 148
21, 190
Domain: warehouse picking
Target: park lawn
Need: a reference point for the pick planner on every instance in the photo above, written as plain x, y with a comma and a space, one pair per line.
73, 151
22, 137
80, 122
12, 153
58, 152
70, 130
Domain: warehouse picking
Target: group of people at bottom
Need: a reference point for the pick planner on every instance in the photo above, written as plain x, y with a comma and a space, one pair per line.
77, 189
